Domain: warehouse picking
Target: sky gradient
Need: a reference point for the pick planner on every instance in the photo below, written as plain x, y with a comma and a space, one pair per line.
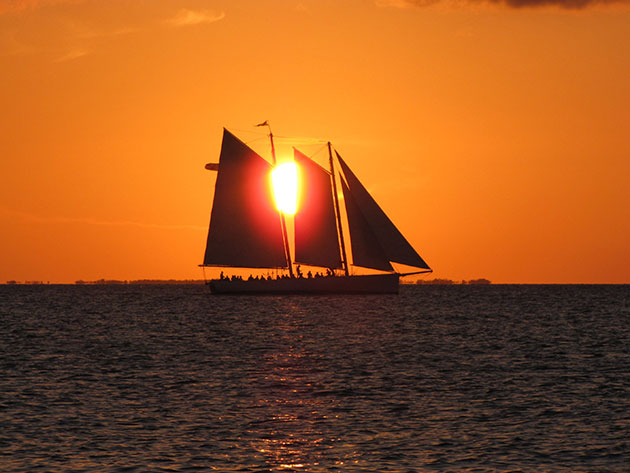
494, 134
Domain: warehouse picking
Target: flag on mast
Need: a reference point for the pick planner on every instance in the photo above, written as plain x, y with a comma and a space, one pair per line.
265, 123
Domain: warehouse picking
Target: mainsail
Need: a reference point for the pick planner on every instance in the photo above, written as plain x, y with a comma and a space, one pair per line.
394, 246
245, 226
316, 237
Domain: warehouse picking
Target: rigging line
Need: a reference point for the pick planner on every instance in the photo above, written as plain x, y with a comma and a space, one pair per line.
256, 139
255, 132
301, 139
311, 156
322, 148
298, 139
316, 153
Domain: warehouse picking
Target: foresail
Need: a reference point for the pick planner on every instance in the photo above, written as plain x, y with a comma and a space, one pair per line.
366, 250
316, 237
394, 245
245, 226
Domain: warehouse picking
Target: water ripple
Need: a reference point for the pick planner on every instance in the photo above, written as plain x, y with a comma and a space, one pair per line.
462, 379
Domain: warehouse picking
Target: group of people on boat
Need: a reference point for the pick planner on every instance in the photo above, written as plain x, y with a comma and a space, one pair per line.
298, 270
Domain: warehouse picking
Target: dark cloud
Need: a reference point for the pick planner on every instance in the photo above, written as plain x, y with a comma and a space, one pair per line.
566, 4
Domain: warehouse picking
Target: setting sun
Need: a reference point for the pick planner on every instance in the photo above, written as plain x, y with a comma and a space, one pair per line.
284, 178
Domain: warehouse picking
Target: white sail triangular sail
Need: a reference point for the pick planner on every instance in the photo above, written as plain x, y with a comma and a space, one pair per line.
366, 250
394, 245
316, 237
245, 226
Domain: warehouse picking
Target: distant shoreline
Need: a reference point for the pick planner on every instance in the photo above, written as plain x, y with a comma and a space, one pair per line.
421, 282
109, 282
441, 281
122, 282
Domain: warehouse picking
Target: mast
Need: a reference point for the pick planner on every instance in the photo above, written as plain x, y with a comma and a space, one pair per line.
344, 261
287, 251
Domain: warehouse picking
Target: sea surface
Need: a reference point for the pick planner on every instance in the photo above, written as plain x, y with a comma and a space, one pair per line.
500, 378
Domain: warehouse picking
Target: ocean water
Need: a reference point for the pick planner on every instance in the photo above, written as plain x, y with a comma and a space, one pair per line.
500, 378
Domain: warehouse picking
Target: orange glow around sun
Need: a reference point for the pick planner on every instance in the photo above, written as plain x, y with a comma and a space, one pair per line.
284, 178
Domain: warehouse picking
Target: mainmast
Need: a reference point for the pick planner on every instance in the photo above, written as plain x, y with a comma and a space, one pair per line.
344, 261
285, 238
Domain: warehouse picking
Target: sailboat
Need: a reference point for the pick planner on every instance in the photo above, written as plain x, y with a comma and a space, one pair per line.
247, 230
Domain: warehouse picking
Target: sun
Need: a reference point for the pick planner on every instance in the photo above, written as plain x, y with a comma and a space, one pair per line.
284, 178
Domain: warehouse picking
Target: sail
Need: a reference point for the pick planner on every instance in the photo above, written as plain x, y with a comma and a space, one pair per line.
316, 237
245, 226
395, 246
366, 250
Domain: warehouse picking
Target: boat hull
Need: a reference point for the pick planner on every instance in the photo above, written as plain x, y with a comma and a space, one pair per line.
361, 284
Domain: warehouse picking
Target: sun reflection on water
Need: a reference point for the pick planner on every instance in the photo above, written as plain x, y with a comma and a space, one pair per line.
288, 433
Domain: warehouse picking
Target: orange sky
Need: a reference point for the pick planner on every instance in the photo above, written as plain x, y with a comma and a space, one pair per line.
496, 138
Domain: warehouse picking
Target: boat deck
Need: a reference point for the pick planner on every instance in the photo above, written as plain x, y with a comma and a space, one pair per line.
360, 284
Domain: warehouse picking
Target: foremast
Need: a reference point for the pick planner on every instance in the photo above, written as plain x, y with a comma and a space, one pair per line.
285, 236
